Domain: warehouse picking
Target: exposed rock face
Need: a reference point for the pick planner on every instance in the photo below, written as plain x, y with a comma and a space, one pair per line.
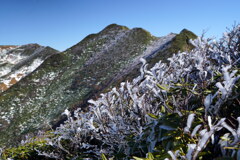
69, 79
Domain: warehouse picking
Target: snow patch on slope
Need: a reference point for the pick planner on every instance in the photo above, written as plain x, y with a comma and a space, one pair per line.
8, 60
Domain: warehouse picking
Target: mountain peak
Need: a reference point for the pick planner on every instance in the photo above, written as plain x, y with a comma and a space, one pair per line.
115, 26
181, 41
188, 33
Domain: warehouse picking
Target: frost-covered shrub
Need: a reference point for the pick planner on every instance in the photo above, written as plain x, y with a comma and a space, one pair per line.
133, 119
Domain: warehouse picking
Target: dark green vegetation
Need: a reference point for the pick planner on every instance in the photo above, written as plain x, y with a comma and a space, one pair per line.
67, 80
27, 151
181, 41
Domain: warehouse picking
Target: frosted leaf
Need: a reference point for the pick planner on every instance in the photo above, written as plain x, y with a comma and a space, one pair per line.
208, 101
79, 130
86, 146
93, 102
195, 130
142, 68
189, 123
210, 126
233, 131
143, 61
172, 155
203, 140
238, 130
222, 89
166, 127
170, 59
233, 73
210, 122
108, 113
90, 124
66, 112
226, 35
191, 148
202, 132
226, 73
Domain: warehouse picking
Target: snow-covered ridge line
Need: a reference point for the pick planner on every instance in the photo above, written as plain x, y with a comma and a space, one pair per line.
5, 49
15, 65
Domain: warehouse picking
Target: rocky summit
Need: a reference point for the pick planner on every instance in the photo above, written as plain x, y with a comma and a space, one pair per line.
51, 82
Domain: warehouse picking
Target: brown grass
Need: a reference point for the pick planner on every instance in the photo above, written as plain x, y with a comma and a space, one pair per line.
3, 87
13, 81
6, 46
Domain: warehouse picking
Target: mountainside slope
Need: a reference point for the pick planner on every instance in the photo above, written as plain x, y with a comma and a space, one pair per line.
69, 79
18, 61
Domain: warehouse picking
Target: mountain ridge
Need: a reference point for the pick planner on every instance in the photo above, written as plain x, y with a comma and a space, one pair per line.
68, 79
18, 61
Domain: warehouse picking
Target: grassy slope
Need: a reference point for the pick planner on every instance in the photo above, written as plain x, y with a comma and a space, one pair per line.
181, 41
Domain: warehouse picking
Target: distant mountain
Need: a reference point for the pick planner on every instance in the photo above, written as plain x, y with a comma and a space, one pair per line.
7, 47
18, 61
68, 79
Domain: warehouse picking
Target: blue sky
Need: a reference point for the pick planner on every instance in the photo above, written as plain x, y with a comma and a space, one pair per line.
63, 23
